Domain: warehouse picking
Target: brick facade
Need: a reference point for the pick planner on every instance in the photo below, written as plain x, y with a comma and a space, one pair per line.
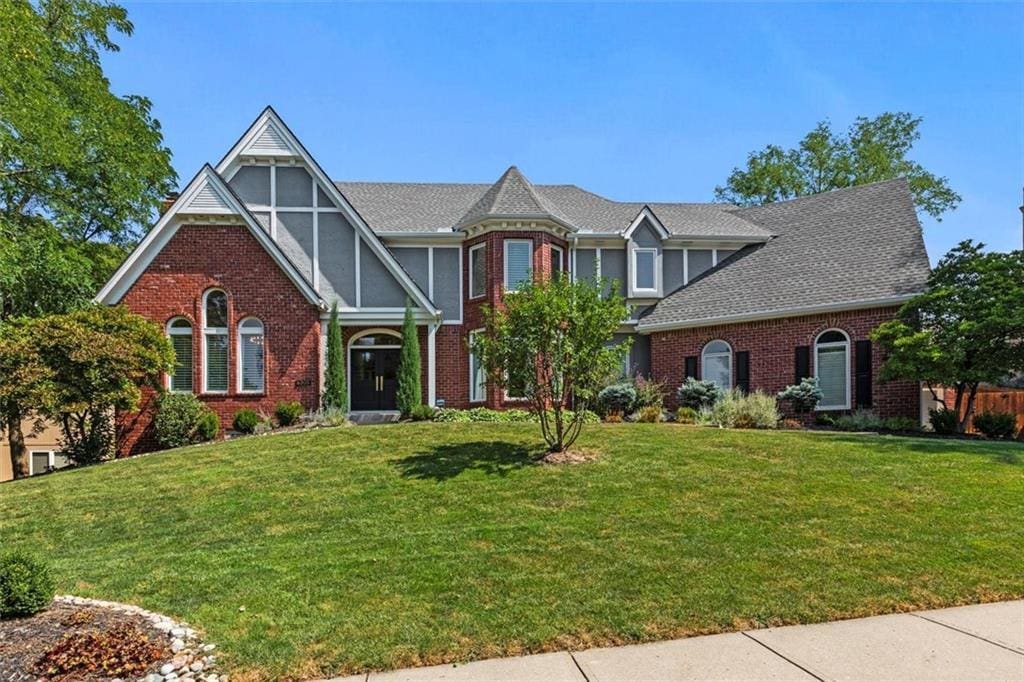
772, 346
199, 258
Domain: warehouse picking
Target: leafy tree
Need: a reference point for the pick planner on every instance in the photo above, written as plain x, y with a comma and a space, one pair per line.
410, 393
24, 384
335, 395
73, 153
872, 150
42, 273
552, 341
965, 330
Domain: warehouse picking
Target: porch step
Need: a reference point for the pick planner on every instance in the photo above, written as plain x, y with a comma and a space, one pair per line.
373, 417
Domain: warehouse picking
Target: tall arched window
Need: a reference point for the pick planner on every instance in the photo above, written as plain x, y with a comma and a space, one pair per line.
180, 331
251, 352
832, 368
215, 341
716, 364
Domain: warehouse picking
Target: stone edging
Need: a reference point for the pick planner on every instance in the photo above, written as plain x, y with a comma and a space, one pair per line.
192, 659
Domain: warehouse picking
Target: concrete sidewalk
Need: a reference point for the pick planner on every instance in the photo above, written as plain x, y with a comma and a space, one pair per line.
981, 642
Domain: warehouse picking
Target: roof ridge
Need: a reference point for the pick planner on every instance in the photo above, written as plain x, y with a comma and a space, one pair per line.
901, 179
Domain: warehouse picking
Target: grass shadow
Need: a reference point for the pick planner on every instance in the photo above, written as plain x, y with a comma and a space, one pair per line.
1005, 452
447, 460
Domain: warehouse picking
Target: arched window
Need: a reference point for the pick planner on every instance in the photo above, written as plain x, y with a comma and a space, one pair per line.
832, 368
716, 364
215, 341
180, 331
251, 351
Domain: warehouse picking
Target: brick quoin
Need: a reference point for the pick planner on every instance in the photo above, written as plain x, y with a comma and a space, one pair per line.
202, 257
772, 346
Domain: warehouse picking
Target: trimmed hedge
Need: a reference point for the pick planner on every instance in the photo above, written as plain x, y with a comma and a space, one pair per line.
26, 585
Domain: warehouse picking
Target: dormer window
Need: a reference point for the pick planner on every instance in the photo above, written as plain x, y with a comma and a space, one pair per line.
645, 276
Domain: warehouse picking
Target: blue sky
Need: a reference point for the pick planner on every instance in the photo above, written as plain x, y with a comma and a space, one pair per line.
654, 102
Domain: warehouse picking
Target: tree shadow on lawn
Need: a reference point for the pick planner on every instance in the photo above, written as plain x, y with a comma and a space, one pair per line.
448, 460
1005, 452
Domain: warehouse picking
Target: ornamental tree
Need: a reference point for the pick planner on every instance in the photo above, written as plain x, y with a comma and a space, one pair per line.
335, 395
965, 330
551, 340
409, 388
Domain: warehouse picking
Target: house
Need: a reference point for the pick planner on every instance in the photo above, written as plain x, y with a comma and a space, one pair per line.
242, 268
43, 444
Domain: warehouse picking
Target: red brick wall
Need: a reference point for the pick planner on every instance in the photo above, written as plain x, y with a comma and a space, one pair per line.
198, 258
772, 345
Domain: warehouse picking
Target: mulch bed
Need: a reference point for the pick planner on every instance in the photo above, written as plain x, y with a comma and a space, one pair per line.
24, 642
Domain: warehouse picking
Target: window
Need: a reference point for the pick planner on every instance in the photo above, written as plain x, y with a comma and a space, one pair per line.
557, 262
42, 461
518, 263
644, 270
215, 342
832, 368
477, 271
477, 376
716, 364
251, 352
180, 331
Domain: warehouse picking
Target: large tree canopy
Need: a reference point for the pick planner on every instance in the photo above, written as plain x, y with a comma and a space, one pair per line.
88, 161
873, 149
965, 330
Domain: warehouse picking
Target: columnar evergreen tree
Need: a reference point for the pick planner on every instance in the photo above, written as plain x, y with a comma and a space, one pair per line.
410, 391
335, 391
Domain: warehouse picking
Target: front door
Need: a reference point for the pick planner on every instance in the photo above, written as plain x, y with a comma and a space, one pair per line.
374, 379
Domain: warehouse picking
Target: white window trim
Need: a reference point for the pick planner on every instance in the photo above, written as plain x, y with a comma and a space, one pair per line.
472, 379
845, 345
477, 247
213, 331
704, 354
171, 331
654, 269
50, 462
561, 257
238, 352
529, 243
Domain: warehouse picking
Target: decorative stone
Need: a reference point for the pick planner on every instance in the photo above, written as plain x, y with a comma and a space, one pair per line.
197, 667
177, 645
178, 632
209, 647
167, 669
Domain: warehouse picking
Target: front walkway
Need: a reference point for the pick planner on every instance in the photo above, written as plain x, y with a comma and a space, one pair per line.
981, 642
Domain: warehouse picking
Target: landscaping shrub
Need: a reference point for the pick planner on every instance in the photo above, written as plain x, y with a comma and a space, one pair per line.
901, 424
698, 394
288, 412
614, 418
943, 420
791, 424
860, 420
330, 416
26, 585
736, 410
487, 415
246, 421
121, 651
648, 393
182, 419
996, 424
804, 397
686, 415
650, 414
617, 399
825, 419
422, 413
451, 416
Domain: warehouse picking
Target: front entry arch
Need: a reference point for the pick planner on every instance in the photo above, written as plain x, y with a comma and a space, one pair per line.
373, 357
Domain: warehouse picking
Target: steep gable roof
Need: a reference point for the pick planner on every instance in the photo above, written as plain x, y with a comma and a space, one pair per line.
512, 196
856, 247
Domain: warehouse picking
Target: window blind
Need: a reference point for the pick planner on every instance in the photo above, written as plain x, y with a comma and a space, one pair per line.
181, 380
478, 272
831, 365
252, 362
518, 263
644, 264
216, 362
478, 389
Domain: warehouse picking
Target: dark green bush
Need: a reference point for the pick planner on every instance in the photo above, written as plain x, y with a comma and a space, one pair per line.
208, 426
177, 420
860, 420
422, 413
26, 585
996, 424
942, 420
617, 399
901, 424
288, 412
246, 421
804, 397
699, 395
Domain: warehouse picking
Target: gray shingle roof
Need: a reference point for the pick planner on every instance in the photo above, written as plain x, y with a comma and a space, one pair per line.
440, 207
845, 246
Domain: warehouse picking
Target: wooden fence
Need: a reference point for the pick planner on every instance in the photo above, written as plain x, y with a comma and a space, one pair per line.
995, 399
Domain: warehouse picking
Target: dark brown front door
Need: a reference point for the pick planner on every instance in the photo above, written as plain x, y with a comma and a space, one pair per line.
374, 379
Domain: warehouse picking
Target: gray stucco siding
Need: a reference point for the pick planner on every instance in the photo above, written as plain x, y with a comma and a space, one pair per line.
415, 262
294, 186
337, 259
295, 236
447, 281
725, 253
252, 185
645, 236
672, 269
377, 286
585, 263
322, 200
699, 262
613, 266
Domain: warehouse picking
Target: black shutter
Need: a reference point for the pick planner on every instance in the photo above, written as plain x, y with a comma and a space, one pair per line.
863, 374
743, 371
803, 363
690, 367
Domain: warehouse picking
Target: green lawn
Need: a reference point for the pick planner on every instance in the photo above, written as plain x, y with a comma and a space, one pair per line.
385, 546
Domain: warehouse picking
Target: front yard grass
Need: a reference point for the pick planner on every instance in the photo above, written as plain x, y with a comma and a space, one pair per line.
379, 547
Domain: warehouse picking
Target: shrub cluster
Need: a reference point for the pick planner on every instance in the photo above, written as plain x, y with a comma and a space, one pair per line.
247, 420
867, 420
182, 419
943, 420
804, 397
996, 424
487, 415
686, 415
700, 395
736, 410
288, 412
26, 585
648, 393
650, 414
616, 400
422, 413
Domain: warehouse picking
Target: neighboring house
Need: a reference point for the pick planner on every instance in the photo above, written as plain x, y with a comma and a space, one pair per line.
242, 268
42, 441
